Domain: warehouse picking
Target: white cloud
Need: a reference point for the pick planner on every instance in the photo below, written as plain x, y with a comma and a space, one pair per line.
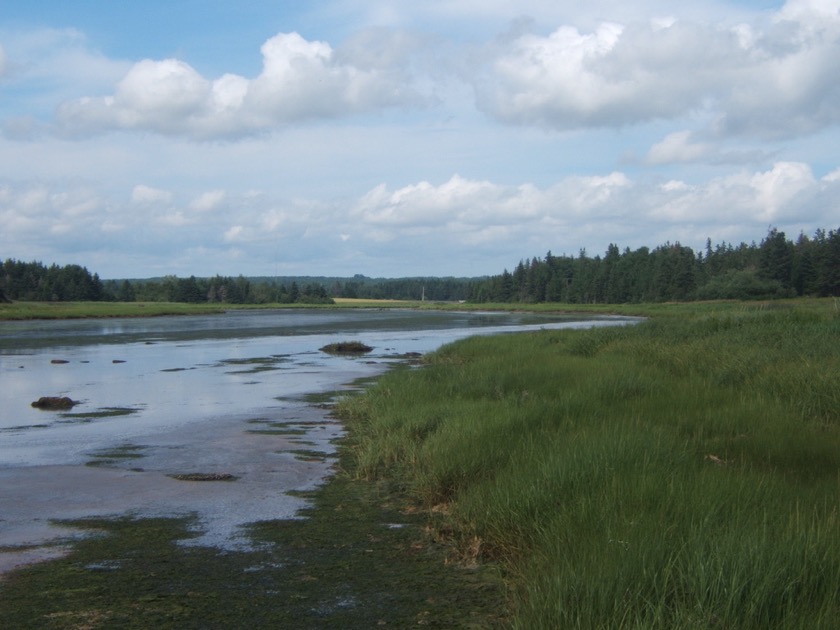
777, 188
209, 200
31, 213
578, 210
690, 99
769, 80
58, 60
234, 234
300, 80
143, 194
415, 223
678, 147
833, 176
769, 77
784, 194
809, 11
466, 205
425, 204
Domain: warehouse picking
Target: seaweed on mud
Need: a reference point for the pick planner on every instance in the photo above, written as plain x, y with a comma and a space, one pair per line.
110, 457
199, 476
102, 412
278, 428
24, 427
309, 455
255, 365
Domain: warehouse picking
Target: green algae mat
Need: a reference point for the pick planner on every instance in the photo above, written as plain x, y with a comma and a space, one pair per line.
359, 559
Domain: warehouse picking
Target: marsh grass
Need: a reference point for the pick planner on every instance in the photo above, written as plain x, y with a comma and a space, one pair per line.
682, 473
73, 310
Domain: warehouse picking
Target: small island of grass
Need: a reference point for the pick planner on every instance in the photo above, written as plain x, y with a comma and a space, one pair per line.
347, 347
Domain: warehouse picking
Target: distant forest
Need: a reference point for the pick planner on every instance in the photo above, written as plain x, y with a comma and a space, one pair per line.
774, 268
34, 281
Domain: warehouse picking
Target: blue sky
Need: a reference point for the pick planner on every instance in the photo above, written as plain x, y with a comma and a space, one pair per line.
398, 139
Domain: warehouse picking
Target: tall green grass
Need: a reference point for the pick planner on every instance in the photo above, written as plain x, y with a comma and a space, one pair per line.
681, 473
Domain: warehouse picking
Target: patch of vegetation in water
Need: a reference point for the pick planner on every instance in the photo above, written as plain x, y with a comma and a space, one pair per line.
309, 455
255, 365
203, 476
23, 427
112, 456
103, 412
278, 428
321, 398
410, 358
347, 348
283, 431
302, 442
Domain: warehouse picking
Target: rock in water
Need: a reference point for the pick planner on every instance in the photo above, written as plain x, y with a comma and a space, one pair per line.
54, 403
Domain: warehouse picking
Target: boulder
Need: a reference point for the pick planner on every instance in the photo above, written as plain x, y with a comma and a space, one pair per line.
54, 403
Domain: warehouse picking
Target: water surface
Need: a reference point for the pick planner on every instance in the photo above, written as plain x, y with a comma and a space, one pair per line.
169, 396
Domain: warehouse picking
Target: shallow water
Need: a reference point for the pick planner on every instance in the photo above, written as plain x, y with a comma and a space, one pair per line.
220, 394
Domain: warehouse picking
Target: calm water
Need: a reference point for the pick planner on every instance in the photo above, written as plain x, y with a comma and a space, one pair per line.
198, 394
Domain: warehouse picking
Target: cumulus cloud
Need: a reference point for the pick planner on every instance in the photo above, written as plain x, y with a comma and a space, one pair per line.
426, 204
414, 223
786, 193
775, 76
142, 194
467, 206
607, 208
209, 200
300, 80
770, 80
32, 214
678, 147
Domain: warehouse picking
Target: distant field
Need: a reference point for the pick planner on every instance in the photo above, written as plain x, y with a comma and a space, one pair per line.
73, 310
363, 303
70, 310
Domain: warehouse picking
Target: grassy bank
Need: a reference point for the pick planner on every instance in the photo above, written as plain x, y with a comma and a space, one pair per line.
77, 310
74, 310
683, 473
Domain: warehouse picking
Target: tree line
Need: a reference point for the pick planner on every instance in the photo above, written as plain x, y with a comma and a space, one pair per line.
35, 282
775, 268
218, 289
421, 288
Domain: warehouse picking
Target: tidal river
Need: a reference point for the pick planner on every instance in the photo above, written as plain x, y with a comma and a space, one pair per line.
224, 397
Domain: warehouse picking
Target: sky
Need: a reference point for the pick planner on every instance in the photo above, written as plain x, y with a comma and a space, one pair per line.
394, 139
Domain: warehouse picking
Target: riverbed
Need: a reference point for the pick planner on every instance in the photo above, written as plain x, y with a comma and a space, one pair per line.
214, 417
